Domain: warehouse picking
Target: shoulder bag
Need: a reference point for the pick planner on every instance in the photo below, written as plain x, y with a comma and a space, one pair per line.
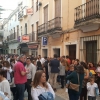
74, 87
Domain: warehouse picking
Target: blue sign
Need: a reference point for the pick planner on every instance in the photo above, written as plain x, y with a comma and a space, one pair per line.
44, 40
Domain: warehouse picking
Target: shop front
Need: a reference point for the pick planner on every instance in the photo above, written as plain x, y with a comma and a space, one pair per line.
33, 49
24, 49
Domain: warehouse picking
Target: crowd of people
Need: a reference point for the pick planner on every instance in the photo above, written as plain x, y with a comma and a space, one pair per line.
38, 75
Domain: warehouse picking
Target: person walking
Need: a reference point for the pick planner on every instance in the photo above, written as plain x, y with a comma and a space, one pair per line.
54, 64
20, 77
30, 76
62, 72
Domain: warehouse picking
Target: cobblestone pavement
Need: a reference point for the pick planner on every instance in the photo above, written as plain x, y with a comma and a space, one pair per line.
60, 94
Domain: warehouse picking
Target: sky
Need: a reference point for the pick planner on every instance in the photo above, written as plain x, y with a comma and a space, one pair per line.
8, 5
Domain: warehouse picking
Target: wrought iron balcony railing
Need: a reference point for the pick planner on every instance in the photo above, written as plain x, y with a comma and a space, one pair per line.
87, 11
52, 25
22, 13
41, 29
11, 37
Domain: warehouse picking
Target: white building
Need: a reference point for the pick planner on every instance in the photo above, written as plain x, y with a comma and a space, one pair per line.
23, 23
11, 32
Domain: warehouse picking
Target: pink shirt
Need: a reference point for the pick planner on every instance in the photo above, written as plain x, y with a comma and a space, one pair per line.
18, 78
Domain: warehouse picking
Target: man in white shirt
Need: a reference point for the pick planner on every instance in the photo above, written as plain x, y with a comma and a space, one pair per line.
42, 60
30, 76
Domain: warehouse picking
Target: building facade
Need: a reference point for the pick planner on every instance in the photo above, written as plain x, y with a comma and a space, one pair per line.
1, 37
56, 25
63, 27
69, 28
29, 18
11, 32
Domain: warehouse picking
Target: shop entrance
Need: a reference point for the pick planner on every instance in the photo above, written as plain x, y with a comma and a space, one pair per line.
72, 52
57, 51
44, 53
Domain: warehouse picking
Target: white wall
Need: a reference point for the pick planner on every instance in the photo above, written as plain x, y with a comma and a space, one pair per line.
11, 23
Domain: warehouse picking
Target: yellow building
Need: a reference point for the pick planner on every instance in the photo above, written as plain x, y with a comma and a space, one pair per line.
69, 27
55, 23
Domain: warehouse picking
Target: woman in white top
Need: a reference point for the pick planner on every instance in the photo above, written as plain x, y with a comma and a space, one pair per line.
6, 66
40, 85
4, 84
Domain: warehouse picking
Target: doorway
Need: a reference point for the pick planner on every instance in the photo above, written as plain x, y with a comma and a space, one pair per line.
44, 53
72, 52
91, 51
57, 51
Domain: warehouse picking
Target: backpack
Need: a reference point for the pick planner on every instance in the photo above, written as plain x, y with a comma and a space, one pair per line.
46, 96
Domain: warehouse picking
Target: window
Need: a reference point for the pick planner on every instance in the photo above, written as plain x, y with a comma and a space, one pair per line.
14, 34
25, 28
21, 30
57, 8
91, 51
37, 6
36, 30
33, 5
32, 28
17, 30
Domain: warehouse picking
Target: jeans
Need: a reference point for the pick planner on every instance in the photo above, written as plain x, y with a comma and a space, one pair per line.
83, 95
28, 87
20, 88
62, 81
73, 96
91, 98
13, 90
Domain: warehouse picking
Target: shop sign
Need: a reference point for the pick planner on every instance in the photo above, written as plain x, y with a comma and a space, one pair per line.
44, 40
25, 38
29, 11
32, 46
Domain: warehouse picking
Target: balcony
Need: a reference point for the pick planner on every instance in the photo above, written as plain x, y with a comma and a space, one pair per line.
22, 13
1, 30
51, 27
87, 16
32, 37
12, 38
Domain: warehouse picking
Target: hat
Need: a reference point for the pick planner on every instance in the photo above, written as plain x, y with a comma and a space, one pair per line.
92, 71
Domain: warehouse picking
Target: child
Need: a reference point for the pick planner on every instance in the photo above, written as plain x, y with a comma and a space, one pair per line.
91, 88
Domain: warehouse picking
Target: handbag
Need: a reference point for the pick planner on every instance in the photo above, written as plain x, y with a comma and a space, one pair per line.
46, 96
73, 86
